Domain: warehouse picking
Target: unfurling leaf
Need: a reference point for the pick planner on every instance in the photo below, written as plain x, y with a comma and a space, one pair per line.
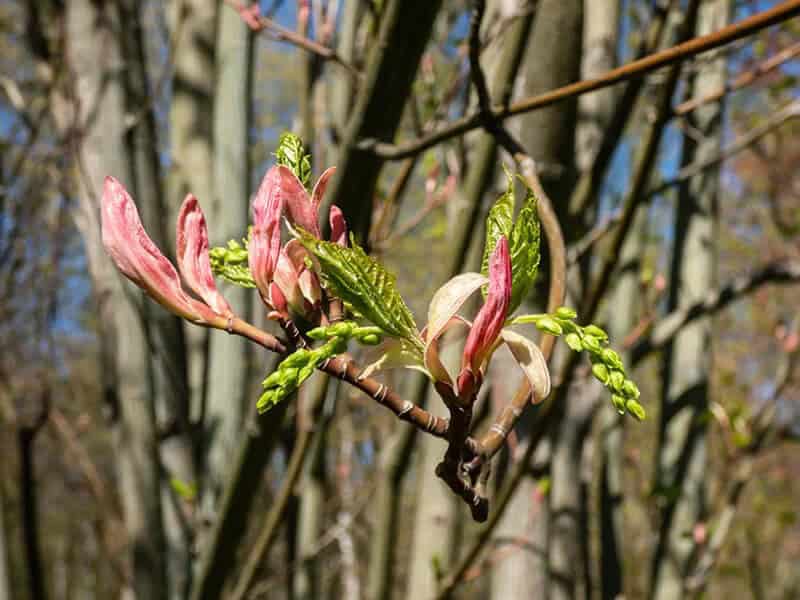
499, 222
363, 284
292, 154
523, 237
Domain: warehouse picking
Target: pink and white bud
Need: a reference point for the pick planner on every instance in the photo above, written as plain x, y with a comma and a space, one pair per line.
265, 240
338, 226
139, 258
297, 283
192, 255
490, 319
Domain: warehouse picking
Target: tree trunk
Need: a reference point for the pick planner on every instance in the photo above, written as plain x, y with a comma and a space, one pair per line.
5, 572
404, 32
682, 445
553, 59
228, 388
191, 146
95, 56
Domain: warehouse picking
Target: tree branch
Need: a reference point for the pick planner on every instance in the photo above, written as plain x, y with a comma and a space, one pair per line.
251, 16
637, 68
786, 271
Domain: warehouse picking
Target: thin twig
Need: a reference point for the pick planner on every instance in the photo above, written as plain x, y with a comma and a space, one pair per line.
258, 23
669, 326
637, 68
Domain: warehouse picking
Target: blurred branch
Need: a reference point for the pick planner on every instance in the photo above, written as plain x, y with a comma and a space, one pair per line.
789, 112
784, 271
744, 79
761, 426
252, 16
637, 68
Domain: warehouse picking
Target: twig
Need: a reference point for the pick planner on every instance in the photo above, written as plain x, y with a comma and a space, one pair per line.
787, 113
257, 23
787, 271
637, 68
744, 79
273, 520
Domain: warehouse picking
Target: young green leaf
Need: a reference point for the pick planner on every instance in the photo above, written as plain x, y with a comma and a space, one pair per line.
499, 222
292, 154
524, 250
363, 283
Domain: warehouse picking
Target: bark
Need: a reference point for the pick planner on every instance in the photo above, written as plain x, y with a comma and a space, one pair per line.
227, 396
404, 32
313, 485
165, 331
5, 573
622, 318
553, 59
30, 516
682, 445
95, 57
193, 26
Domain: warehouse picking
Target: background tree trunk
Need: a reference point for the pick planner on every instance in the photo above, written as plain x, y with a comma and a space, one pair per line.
228, 397
96, 60
682, 451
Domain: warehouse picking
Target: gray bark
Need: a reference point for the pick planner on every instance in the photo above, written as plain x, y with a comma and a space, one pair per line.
166, 331
227, 388
404, 31
96, 59
682, 445
191, 146
552, 60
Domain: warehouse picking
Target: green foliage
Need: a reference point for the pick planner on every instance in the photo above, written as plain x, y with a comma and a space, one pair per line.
230, 263
294, 370
186, 490
365, 286
298, 366
291, 153
523, 240
607, 365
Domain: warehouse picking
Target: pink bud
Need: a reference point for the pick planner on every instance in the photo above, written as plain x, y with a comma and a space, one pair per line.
338, 226
139, 258
300, 210
490, 319
193, 261
299, 284
265, 240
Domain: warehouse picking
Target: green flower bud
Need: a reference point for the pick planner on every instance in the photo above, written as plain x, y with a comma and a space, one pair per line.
636, 409
549, 325
370, 339
596, 332
630, 389
612, 359
600, 371
566, 313
619, 403
573, 340
616, 380
590, 343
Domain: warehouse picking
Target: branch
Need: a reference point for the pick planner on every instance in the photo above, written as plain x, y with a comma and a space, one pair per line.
744, 79
251, 16
786, 271
637, 68
789, 112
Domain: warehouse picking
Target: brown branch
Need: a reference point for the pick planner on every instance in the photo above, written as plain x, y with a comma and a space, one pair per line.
348, 372
250, 15
637, 68
666, 329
